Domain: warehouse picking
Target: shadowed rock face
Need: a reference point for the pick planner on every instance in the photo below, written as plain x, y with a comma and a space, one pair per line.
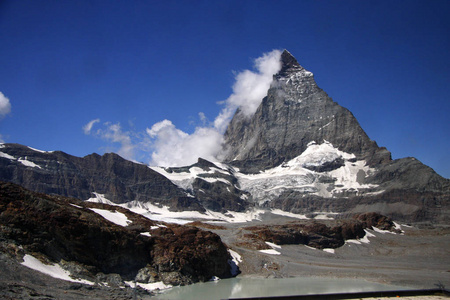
294, 113
118, 179
64, 229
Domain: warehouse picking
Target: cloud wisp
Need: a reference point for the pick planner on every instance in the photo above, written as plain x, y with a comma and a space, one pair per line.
173, 147
113, 133
88, 127
5, 106
169, 146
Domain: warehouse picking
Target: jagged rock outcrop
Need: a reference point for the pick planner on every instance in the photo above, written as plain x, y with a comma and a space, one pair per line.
315, 234
68, 231
118, 179
215, 187
294, 113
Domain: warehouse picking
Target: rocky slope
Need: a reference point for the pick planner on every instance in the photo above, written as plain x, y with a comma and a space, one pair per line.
102, 243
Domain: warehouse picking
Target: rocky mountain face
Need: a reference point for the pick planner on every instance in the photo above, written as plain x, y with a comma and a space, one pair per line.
309, 154
116, 179
294, 113
300, 152
76, 235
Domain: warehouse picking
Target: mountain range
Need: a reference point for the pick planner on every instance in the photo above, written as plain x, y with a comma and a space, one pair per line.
300, 152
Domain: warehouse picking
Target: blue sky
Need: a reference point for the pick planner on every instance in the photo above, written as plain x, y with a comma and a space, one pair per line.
132, 64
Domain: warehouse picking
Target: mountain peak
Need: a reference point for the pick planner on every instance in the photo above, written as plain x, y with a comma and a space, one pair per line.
289, 64
294, 113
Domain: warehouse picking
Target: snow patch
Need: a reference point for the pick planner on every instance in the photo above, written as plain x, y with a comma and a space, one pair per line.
323, 216
28, 163
296, 175
212, 180
7, 156
23, 161
185, 180
234, 262
149, 286
100, 198
162, 213
363, 240
40, 151
53, 270
288, 214
273, 246
270, 251
145, 234
382, 231
329, 250
114, 217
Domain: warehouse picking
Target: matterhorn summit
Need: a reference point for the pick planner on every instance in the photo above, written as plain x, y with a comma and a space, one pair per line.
294, 113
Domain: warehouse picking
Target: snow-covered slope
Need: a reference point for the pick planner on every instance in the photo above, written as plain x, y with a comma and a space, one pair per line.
302, 174
321, 169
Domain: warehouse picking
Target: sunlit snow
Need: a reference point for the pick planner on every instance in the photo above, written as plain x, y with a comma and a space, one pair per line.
23, 161
185, 180
270, 251
114, 217
40, 151
163, 214
149, 286
295, 175
28, 163
52, 270
7, 156
273, 246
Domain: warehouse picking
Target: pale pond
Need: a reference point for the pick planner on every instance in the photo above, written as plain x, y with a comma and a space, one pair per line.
259, 287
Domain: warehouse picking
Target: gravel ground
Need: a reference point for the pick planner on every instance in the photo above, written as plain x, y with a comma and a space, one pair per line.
419, 258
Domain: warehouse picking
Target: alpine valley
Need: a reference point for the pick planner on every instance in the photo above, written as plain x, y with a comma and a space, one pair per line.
300, 171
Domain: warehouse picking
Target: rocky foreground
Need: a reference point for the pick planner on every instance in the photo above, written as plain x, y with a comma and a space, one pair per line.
77, 236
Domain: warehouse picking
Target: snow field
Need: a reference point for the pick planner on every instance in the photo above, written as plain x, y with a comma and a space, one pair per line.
52, 270
114, 217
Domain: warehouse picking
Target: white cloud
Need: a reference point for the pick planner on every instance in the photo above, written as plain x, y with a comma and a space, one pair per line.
5, 106
88, 127
250, 88
170, 146
114, 133
173, 147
